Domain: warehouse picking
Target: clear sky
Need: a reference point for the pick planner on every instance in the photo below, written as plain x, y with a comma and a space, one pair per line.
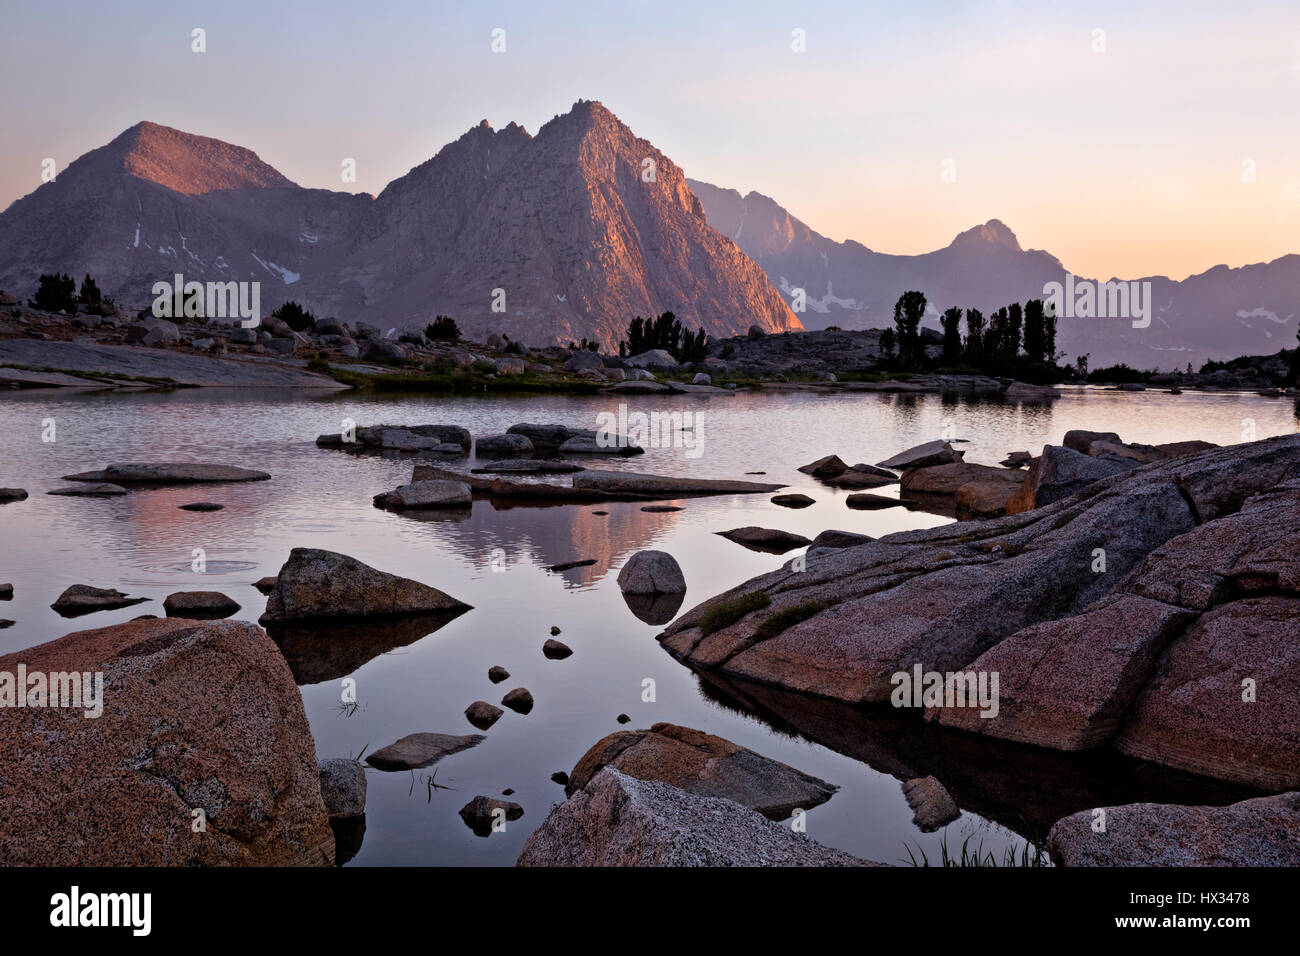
1128, 161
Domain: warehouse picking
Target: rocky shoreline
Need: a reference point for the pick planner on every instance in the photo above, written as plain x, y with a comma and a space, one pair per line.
1134, 603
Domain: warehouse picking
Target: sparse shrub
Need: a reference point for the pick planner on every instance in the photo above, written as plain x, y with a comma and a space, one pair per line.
729, 612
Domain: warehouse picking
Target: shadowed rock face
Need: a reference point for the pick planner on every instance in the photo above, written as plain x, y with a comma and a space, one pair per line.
618, 820
703, 764
195, 715
1027, 591
1260, 832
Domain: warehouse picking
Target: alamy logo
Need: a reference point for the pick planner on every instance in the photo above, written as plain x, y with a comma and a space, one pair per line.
950, 689
77, 690
75, 908
1090, 299
656, 430
213, 300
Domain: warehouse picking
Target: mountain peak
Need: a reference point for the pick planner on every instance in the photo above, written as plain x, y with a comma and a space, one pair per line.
190, 164
993, 233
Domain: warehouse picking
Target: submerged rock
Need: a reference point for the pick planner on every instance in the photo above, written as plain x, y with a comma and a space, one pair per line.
170, 473
90, 489
703, 764
420, 750
627, 481
197, 716
324, 584
1264, 831
618, 820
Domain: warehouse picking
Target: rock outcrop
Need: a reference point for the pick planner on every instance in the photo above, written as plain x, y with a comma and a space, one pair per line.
1149, 611
619, 820
1264, 831
196, 717
701, 763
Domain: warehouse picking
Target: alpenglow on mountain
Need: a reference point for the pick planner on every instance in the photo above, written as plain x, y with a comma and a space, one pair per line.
581, 228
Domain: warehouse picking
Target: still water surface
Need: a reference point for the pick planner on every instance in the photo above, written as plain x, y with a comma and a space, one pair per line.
496, 559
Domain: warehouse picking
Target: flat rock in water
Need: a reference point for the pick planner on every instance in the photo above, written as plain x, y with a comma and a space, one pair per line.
510, 443
932, 805
1264, 831
12, 494
236, 745
83, 599
628, 481
510, 466
769, 540
793, 501
90, 489
869, 502
199, 604
420, 750
427, 494
935, 452
618, 820
170, 473
202, 506
324, 584
703, 764
595, 444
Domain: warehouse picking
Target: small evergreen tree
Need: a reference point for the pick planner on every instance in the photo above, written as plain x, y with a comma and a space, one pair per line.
974, 336
908, 311
951, 321
57, 292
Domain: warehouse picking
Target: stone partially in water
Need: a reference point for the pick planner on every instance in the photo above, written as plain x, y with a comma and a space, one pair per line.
420, 750
199, 604
703, 764
84, 599
90, 489
932, 805
519, 700
652, 572
555, 650
483, 814
937, 452
482, 714
767, 540
170, 473
618, 820
324, 584
343, 787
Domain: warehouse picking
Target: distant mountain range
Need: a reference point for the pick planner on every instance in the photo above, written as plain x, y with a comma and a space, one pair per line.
1218, 314
580, 227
